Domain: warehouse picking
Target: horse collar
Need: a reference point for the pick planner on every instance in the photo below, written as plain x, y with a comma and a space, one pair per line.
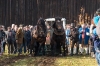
58, 33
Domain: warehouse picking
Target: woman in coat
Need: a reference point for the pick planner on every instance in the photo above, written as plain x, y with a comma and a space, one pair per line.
19, 38
84, 38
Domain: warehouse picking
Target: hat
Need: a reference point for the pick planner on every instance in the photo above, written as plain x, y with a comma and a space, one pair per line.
98, 11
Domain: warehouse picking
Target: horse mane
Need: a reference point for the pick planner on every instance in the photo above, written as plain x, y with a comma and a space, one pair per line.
41, 22
56, 18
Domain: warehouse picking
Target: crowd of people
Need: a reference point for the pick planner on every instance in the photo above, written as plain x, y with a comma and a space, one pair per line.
15, 38
86, 37
79, 39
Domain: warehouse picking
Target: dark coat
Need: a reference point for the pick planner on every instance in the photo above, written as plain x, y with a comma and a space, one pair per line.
13, 35
27, 35
2, 35
9, 37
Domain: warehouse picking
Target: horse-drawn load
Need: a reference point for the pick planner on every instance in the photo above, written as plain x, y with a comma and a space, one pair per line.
49, 23
56, 29
50, 32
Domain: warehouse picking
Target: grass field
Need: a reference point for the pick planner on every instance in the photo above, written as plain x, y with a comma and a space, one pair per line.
25, 60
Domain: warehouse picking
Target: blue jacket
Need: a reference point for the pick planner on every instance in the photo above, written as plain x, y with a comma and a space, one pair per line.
94, 32
86, 39
67, 36
97, 44
67, 32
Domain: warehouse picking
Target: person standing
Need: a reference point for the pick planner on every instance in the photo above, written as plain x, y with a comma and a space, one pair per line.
97, 36
74, 36
19, 38
27, 39
2, 37
84, 39
9, 41
92, 35
67, 31
0, 40
97, 49
13, 37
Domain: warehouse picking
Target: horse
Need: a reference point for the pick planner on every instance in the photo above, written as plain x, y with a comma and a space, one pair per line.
38, 38
58, 38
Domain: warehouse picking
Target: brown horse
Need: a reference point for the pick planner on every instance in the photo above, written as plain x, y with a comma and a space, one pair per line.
38, 38
58, 37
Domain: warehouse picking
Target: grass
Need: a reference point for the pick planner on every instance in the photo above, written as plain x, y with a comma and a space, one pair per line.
25, 60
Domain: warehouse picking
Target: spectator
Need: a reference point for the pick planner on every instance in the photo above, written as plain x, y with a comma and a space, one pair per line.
84, 38
97, 36
27, 38
19, 38
13, 37
2, 37
74, 38
9, 40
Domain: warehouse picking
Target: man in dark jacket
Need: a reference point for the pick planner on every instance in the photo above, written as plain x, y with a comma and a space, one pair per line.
9, 40
74, 38
27, 38
13, 38
2, 37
